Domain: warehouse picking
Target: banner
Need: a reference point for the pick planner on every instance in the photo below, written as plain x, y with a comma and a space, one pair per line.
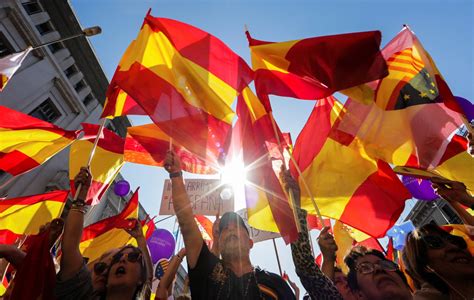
205, 196
257, 235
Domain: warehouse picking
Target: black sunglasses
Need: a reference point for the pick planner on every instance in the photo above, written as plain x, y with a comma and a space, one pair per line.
131, 257
100, 267
438, 242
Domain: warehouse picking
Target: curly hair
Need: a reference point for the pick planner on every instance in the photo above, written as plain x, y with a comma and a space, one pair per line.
351, 261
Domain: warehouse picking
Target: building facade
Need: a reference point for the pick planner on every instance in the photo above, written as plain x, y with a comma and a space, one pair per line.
62, 83
437, 212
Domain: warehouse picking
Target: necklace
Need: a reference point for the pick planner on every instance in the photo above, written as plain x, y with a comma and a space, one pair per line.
247, 286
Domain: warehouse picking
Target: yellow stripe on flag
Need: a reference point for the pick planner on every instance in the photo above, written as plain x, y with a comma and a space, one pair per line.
271, 56
154, 51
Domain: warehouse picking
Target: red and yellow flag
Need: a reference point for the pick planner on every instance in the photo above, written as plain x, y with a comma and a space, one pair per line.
25, 215
27, 142
10, 64
106, 162
103, 236
368, 197
315, 68
205, 227
148, 144
267, 205
186, 80
393, 117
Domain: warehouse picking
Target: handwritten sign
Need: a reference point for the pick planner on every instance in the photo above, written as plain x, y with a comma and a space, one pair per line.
257, 235
205, 196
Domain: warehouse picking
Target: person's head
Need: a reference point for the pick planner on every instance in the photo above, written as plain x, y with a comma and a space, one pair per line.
100, 269
372, 276
127, 271
434, 256
340, 281
234, 239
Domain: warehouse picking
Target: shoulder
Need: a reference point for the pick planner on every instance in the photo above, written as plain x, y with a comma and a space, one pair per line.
429, 292
77, 287
274, 283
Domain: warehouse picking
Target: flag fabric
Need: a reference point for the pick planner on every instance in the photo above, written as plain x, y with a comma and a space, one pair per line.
368, 197
396, 122
456, 164
27, 142
148, 145
10, 64
344, 243
205, 227
186, 80
315, 68
314, 223
390, 250
103, 236
267, 205
148, 226
106, 162
25, 215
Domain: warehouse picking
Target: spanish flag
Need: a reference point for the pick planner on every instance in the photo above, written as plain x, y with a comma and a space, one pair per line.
148, 144
315, 68
27, 142
106, 162
104, 235
186, 80
25, 215
347, 184
267, 205
456, 164
10, 64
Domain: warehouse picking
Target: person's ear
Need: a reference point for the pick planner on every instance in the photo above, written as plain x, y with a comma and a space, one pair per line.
250, 243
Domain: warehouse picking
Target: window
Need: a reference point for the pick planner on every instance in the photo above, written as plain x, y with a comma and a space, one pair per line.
451, 215
46, 111
32, 7
70, 71
55, 47
79, 86
5, 48
88, 99
44, 28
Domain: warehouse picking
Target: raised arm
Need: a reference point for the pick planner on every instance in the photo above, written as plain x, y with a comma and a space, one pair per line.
314, 281
163, 288
12, 254
72, 260
137, 234
183, 209
328, 248
456, 194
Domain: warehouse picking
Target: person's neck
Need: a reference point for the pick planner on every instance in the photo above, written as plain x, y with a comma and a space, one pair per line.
118, 293
239, 266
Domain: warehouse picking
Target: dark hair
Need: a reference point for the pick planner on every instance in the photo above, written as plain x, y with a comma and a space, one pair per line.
351, 262
415, 257
140, 289
337, 269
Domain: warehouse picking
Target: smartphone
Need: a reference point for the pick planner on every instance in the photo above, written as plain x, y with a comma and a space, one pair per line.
126, 224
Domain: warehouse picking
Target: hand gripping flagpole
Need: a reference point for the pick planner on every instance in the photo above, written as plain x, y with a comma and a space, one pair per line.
99, 133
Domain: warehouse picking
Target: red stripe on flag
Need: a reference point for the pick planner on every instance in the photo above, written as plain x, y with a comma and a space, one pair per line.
8, 237
457, 145
109, 140
199, 132
15, 162
377, 203
58, 196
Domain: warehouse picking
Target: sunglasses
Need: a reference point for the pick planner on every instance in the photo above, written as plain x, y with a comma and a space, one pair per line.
100, 267
131, 257
368, 267
438, 242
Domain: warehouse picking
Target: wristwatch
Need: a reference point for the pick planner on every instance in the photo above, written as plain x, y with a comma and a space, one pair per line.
176, 174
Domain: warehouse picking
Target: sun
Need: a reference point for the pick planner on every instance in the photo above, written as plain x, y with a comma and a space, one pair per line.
234, 174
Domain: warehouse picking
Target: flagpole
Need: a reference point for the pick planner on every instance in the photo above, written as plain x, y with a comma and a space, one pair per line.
99, 133
277, 256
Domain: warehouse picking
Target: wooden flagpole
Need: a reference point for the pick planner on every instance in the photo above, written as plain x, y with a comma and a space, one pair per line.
277, 256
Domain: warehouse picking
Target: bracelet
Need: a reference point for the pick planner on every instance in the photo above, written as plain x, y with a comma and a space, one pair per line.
78, 203
81, 210
176, 174
179, 257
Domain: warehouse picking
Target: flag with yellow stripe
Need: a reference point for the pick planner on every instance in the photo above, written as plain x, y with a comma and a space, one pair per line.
27, 142
368, 197
105, 164
10, 64
186, 80
25, 215
267, 204
103, 236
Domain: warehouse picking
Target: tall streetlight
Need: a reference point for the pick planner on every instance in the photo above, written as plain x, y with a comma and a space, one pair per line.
90, 31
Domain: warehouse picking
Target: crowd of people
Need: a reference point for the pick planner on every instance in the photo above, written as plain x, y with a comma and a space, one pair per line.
436, 264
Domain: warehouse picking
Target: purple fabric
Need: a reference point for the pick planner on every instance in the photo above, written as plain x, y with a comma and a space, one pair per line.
467, 107
419, 188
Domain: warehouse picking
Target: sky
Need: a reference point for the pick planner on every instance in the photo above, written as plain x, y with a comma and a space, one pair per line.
445, 28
